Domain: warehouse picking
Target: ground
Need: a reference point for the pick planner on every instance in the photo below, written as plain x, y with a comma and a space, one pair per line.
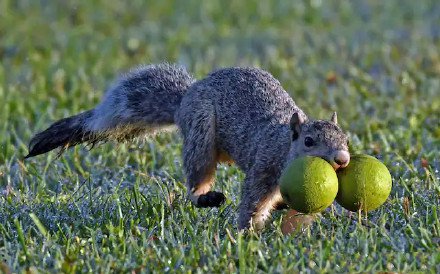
123, 207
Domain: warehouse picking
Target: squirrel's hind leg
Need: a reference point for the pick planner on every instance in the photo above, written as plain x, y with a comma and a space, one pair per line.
200, 158
199, 184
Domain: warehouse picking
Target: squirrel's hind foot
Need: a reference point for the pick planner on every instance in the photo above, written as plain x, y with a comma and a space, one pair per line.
211, 199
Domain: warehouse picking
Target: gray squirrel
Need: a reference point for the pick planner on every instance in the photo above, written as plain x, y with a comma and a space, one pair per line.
240, 115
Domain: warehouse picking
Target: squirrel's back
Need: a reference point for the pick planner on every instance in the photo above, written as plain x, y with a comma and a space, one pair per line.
253, 94
243, 102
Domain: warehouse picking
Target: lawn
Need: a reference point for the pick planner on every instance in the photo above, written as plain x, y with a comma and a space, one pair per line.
122, 208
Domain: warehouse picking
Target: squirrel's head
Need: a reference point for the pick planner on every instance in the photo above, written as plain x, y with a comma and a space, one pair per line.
319, 138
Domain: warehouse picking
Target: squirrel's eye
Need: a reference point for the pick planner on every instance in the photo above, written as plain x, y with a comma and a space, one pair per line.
308, 142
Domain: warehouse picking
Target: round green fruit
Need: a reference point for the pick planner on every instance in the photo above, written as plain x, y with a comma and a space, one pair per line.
364, 184
309, 184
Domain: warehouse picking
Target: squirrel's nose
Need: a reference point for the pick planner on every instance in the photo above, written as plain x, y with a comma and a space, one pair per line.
342, 158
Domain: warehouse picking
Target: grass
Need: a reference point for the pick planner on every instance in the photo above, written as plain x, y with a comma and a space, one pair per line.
123, 208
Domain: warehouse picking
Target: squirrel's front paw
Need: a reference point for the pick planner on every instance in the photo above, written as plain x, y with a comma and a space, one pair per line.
211, 199
281, 206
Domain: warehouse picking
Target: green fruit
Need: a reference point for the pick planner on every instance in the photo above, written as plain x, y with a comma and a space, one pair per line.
309, 184
364, 184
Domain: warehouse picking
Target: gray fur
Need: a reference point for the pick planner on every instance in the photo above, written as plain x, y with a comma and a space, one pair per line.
62, 134
148, 96
234, 114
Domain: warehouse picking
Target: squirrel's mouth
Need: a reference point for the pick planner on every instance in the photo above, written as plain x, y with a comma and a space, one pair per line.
337, 166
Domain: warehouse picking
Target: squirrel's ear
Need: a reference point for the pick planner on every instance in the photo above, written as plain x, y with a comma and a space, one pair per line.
295, 124
334, 118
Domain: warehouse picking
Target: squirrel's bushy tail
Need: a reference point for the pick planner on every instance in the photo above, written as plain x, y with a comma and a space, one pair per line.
141, 102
